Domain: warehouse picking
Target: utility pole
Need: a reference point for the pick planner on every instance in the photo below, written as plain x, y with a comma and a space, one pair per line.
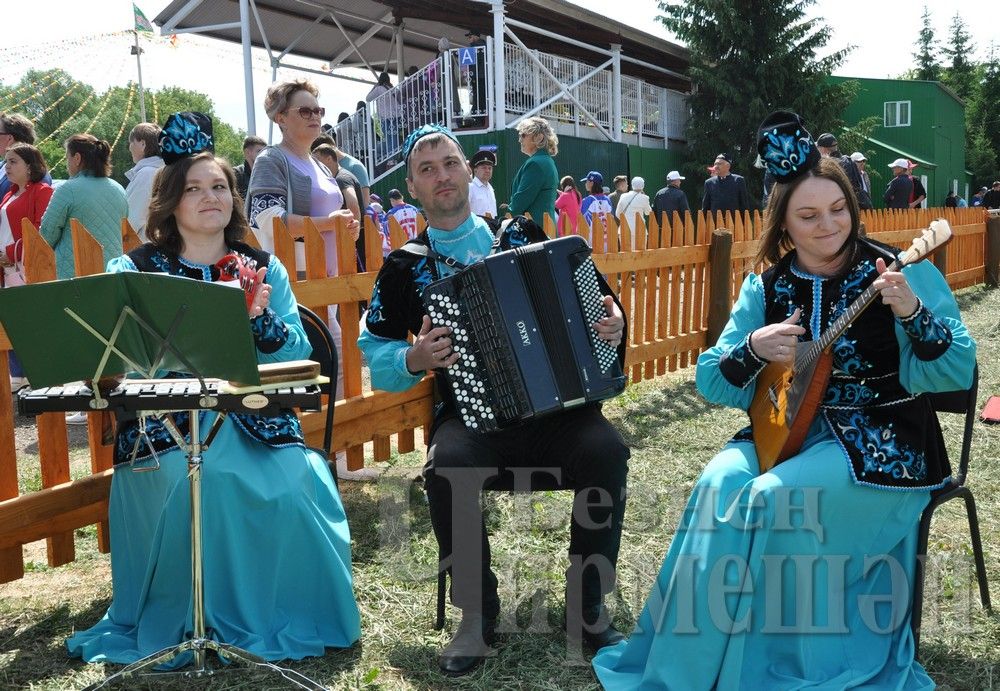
137, 52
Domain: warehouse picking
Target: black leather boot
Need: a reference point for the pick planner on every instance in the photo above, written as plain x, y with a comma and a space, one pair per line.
594, 628
471, 643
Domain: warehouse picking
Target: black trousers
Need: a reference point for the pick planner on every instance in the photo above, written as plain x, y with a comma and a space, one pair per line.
577, 449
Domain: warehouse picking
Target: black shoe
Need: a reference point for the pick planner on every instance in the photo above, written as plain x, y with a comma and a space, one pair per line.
471, 643
596, 631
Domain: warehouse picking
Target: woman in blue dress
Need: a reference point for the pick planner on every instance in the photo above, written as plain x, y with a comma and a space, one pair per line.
277, 563
800, 577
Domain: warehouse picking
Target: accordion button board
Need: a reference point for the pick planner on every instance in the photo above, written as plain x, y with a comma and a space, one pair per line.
522, 322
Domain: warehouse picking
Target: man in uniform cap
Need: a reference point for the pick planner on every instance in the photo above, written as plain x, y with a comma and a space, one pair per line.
482, 198
827, 145
725, 191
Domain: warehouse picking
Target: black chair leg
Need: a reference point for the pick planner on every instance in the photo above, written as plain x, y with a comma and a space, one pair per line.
977, 550
441, 594
920, 574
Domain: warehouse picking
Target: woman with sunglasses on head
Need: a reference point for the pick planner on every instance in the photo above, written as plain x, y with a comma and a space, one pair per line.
801, 576
287, 182
277, 562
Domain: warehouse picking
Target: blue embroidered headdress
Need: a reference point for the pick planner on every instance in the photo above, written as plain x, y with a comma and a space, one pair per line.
421, 132
185, 134
785, 147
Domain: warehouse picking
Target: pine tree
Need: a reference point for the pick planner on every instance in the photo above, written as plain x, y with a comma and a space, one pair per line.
927, 48
983, 122
960, 74
748, 58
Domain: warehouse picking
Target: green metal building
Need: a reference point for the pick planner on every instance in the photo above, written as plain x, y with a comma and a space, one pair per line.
576, 157
921, 121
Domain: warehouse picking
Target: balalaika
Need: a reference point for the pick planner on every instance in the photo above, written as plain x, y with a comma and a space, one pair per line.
786, 399
522, 322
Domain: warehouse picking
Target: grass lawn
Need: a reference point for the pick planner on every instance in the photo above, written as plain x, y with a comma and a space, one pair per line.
672, 433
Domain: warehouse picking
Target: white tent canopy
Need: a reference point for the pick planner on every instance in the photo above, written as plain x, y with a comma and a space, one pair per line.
390, 35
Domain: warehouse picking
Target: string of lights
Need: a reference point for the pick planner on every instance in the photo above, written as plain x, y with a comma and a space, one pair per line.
128, 110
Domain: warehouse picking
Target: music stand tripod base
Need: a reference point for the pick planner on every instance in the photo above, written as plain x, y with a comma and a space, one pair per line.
199, 644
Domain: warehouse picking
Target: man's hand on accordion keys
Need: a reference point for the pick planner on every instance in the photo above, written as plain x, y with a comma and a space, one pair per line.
611, 327
431, 349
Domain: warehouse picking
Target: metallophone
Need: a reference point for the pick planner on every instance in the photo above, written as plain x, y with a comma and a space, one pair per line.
522, 322
133, 397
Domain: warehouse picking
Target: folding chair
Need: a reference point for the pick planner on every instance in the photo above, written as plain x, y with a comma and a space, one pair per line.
962, 403
325, 353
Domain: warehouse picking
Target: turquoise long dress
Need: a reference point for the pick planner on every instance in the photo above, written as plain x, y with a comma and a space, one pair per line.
801, 577
277, 562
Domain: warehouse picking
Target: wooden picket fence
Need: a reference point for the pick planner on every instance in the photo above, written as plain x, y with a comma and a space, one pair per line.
676, 283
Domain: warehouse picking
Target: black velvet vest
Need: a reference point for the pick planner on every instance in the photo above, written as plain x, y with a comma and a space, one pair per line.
891, 437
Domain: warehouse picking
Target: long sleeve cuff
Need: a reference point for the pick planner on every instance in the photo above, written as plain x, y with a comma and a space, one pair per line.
740, 365
929, 336
269, 331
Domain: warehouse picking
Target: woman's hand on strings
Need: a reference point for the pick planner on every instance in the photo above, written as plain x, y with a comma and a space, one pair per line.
431, 349
777, 342
261, 295
895, 290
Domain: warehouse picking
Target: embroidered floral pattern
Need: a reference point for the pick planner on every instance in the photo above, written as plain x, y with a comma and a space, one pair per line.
929, 336
269, 331
422, 276
845, 356
783, 153
878, 448
156, 434
262, 202
848, 393
785, 293
273, 430
375, 306
740, 365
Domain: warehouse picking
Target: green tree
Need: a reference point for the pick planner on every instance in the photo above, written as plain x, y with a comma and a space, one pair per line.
927, 48
981, 160
748, 58
960, 73
61, 106
983, 122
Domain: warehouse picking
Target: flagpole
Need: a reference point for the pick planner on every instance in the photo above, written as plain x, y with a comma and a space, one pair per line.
137, 52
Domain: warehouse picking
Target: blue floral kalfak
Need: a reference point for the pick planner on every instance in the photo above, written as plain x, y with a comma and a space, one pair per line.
786, 155
185, 134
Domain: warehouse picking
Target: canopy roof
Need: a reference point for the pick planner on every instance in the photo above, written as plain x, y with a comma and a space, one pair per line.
306, 28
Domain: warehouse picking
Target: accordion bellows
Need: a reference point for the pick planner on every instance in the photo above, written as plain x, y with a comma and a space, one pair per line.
522, 321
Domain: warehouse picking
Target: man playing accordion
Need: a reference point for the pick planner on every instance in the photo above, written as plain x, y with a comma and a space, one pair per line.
577, 447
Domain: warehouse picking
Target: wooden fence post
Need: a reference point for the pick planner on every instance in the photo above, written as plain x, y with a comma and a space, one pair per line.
993, 252
720, 254
130, 239
88, 256
350, 314
53, 446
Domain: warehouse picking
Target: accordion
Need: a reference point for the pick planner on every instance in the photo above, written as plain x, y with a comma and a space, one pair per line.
522, 321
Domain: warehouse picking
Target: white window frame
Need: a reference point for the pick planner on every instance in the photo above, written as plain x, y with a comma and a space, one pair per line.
896, 108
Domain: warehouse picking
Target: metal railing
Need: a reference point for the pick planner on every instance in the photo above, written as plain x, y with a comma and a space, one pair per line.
455, 90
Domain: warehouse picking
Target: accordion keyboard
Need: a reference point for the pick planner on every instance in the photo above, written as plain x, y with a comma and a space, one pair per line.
592, 303
487, 391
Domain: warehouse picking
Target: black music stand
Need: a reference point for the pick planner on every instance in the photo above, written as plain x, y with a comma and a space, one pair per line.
112, 324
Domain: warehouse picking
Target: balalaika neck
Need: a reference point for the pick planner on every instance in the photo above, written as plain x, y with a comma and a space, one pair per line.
839, 326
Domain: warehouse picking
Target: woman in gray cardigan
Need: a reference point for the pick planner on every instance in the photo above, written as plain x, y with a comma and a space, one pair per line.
288, 183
